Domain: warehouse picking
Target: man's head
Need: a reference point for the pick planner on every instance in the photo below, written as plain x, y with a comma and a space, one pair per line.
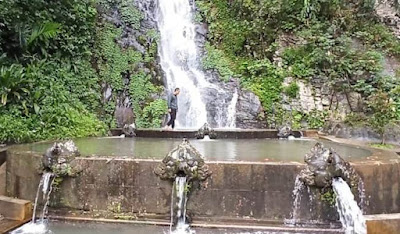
177, 91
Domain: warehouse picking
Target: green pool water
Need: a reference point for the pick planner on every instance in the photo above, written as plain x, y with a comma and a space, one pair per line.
254, 150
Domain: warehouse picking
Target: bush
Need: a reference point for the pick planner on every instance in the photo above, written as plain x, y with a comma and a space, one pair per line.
16, 129
265, 80
292, 90
383, 112
56, 122
153, 113
215, 59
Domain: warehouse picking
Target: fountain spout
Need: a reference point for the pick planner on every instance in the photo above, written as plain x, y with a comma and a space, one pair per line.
183, 165
285, 131
59, 159
323, 165
57, 162
206, 130
328, 171
183, 160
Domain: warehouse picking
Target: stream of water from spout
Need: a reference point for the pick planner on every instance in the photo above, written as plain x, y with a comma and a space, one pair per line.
180, 188
200, 101
39, 226
350, 214
298, 188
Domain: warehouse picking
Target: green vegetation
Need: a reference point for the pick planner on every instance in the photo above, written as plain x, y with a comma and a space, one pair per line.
383, 113
55, 59
382, 146
338, 43
48, 89
329, 196
58, 59
292, 90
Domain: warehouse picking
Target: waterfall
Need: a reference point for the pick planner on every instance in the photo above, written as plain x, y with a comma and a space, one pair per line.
40, 226
180, 188
350, 214
199, 101
232, 111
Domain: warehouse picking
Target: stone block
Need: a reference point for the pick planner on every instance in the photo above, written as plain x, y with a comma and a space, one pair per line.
383, 224
15, 209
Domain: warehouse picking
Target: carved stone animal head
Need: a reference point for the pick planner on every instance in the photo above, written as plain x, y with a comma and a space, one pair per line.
285, 131
206, 130
184, 160
129, 130
59, 155
324, 164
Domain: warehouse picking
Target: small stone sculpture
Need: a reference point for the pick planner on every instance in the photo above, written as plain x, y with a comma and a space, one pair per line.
129, 130
184, 160
323, 165
206, 130
58, 158
285, 132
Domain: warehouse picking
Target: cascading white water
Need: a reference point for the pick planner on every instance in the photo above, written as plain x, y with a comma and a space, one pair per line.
232, 111
39, 226
180, 63
350, 214
181, 192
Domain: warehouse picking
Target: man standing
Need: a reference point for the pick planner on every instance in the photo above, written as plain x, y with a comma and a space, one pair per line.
172, 108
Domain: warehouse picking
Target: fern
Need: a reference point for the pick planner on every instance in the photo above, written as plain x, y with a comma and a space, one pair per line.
44, 32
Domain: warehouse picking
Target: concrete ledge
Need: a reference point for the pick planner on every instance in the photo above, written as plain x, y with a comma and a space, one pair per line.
7, 225
206, 225
221, 133
383, 223
15, 209
311, 133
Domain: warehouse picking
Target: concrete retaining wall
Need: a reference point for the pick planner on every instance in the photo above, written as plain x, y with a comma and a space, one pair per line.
235, 191
221, 133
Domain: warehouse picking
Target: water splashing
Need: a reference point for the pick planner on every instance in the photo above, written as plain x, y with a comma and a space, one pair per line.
200, 101
350, 214
361, 193
39, 226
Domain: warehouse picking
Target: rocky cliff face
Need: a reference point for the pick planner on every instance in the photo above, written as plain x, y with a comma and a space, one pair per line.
313, 95
248, 105
388, 12
316, 94
141, 39
342, 130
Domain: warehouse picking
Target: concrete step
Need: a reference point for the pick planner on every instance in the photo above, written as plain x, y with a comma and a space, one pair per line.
7, 225
15, 209
209, 225
383, 223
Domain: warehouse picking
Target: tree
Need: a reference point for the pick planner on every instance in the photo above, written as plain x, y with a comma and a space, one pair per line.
383, 112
